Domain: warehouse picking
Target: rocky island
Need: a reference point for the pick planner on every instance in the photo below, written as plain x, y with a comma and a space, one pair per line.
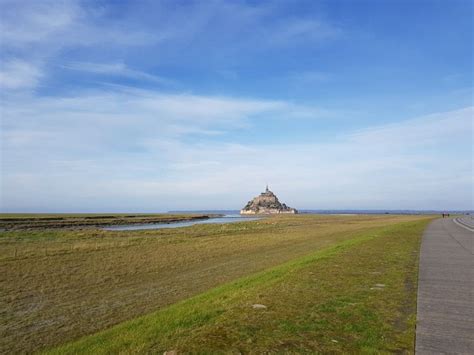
266, 203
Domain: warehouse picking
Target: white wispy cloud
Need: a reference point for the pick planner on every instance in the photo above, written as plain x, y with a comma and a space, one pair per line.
296, 31
33, 33
117, 69
25, 23
19, 74
440, 129
270, 28
49, 25
119, 118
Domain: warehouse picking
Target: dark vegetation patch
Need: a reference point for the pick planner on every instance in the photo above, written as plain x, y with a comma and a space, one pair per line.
38, 222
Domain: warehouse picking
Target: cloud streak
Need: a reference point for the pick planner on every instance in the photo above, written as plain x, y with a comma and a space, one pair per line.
117, 69
18, 74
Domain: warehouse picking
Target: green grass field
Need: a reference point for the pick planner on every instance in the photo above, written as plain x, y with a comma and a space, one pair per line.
330, 283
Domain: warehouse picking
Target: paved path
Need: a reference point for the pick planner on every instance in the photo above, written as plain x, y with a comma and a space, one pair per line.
445, 316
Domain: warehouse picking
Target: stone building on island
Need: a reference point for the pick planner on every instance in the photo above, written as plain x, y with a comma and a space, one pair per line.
266, 203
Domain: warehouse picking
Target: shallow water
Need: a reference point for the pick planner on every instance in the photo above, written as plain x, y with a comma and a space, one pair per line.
232, 218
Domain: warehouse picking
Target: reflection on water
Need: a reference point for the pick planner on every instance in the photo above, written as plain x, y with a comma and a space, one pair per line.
226, 219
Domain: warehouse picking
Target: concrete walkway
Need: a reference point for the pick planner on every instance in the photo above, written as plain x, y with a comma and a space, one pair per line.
445, 315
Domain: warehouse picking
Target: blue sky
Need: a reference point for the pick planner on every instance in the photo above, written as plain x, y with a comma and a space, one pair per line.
164, 105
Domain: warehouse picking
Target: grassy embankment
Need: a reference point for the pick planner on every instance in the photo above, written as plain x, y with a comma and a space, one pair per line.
32, 221
325, 299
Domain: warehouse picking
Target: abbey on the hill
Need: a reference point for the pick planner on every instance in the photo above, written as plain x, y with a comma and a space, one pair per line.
266, 203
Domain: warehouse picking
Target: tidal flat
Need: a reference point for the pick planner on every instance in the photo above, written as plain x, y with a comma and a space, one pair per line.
192, 289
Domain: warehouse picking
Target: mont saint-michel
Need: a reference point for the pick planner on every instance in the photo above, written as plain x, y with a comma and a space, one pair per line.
266, 203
